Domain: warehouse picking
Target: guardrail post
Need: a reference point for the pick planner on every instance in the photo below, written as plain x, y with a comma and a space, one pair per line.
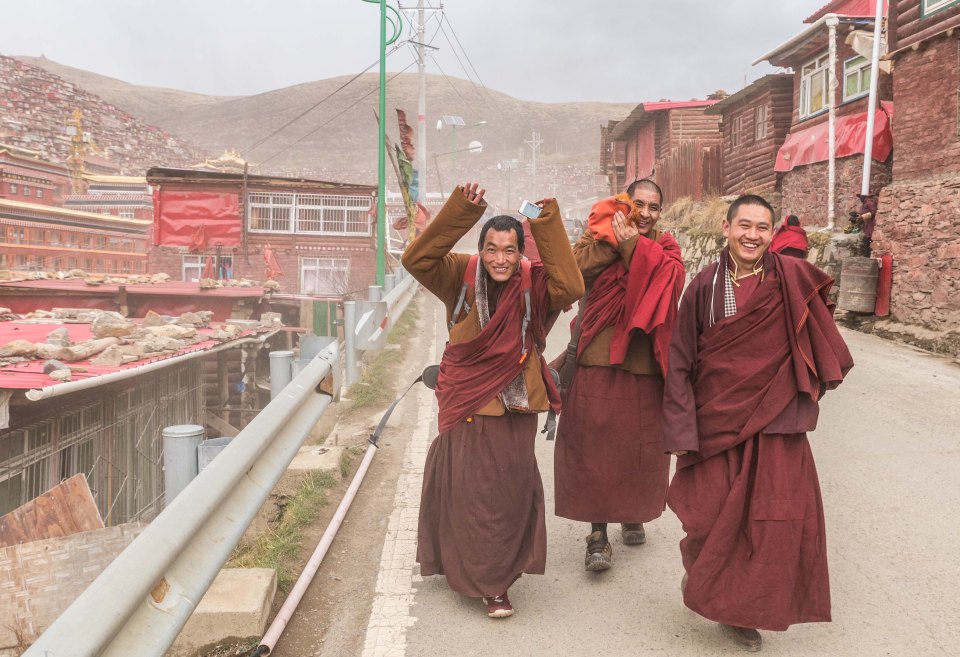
180, 443
374, 293
281, 371
389, 282
350, 374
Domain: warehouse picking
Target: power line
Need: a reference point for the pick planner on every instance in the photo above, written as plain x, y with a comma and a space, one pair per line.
335, 116
452, 86
315, 105
462, 67
464, 51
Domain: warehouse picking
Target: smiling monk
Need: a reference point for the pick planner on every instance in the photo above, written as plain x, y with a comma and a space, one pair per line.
754, 350
482, 506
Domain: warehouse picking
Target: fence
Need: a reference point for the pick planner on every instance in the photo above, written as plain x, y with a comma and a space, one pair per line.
690, 169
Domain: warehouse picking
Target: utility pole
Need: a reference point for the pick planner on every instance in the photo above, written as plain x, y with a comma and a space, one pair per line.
421, 109
534, 145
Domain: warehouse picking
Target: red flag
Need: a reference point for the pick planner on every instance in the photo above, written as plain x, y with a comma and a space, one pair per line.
270, 260
208, 269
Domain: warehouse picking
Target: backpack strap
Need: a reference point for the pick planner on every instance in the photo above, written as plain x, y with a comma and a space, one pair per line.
526, 284
469, 280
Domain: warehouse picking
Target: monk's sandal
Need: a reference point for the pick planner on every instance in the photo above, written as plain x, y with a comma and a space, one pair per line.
498, 607
747, 638
599, 553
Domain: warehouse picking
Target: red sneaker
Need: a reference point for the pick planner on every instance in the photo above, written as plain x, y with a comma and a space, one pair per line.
499, 607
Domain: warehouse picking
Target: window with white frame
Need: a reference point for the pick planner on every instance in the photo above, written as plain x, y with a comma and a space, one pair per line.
735, 128
13, 188
930, 6
315, 214
324, 276
193, 266
39, 192
27, 191
271, 212
813, 87
760, 122
856, 77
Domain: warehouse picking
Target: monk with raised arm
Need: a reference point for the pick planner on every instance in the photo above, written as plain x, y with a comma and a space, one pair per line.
482, 504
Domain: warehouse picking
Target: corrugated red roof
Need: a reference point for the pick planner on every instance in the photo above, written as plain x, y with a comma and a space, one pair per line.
676, 104
29, 374
848, 8
169, 288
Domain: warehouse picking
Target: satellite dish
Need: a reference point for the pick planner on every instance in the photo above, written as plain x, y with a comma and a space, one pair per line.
475, 147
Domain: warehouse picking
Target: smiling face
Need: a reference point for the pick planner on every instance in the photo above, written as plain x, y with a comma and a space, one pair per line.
748, 234
647, 202
500, 254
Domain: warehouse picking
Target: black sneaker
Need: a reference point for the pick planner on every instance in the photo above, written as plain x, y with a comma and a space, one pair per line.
599, 553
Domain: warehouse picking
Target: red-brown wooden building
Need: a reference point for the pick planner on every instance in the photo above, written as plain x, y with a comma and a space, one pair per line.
319, 234
918, 221
676, 142
803, 158
754, 122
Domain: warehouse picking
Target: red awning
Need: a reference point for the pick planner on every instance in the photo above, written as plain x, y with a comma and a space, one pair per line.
810, 145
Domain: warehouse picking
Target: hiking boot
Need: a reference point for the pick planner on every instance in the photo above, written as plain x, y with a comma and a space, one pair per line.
747, 638
633, 533
499, 607
599, 553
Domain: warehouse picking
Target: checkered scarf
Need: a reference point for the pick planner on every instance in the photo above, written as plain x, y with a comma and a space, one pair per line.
514, 396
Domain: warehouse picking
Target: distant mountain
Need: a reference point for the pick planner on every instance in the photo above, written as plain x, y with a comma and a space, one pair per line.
337, 140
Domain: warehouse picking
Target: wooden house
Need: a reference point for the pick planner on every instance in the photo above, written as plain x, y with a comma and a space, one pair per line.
675, 142
754, 123
836, 46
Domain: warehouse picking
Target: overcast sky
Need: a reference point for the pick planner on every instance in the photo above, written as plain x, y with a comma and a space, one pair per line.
549, 50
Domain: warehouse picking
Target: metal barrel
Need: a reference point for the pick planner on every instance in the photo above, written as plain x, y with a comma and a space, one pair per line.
858, 285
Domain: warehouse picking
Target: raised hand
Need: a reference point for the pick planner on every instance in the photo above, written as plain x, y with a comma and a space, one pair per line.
623, 229
473, 192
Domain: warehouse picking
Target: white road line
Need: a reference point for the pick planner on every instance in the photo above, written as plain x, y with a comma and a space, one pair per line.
390, 616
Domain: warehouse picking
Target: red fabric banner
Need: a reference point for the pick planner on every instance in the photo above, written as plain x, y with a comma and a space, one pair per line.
197, 219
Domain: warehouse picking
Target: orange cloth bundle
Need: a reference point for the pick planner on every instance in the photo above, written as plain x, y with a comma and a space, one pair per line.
600, 222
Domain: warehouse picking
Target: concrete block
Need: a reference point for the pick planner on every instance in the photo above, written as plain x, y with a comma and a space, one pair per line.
236, 606
315, 458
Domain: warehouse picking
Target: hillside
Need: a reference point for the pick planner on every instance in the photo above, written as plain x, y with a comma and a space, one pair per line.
337, 140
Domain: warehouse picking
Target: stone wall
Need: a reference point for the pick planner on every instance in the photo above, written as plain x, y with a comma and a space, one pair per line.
918, 223
36, 106
925, 122
805, 189
826, 251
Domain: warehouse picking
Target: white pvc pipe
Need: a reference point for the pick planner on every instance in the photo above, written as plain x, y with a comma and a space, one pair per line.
279, 623
872, 103
832, 21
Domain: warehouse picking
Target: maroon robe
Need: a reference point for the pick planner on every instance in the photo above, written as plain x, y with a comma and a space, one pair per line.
740, 395
609, 466
475, 371
789, 237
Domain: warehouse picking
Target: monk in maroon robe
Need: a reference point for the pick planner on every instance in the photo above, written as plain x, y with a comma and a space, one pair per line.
482, 505
755, 348
608, 464
790, 239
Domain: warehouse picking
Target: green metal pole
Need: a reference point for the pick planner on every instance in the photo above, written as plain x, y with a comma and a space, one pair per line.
381, 152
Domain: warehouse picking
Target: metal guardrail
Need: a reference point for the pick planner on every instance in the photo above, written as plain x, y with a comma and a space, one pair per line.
367, 323
141, 601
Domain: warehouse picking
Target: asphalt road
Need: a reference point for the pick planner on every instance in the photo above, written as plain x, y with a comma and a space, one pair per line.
888, 455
